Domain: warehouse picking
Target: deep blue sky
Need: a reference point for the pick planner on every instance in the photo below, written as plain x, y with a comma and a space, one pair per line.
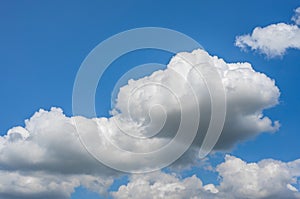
42, 44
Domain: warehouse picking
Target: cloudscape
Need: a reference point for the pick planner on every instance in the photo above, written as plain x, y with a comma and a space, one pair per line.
147, 139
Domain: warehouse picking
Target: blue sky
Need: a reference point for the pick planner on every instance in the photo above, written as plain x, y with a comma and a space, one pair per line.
43, 44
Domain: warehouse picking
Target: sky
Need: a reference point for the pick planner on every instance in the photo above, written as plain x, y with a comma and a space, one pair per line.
43, 45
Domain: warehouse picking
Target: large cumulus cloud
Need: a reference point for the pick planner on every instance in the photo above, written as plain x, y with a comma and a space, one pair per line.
248, 93
48, 150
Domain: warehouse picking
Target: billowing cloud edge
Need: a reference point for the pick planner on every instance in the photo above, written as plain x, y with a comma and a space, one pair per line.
47, 155
273, 40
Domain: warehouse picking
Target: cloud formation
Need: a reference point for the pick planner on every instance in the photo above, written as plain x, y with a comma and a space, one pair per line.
37, 185
48, 152
248, 93
46, 160
296, 17
272, 40
239, 180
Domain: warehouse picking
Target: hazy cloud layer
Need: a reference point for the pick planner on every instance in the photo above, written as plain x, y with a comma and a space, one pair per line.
272, 40
48, 152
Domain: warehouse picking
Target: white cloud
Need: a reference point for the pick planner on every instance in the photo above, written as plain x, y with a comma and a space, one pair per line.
296, 17
239, 180
36, 185
272, 40
266, 179
46, 160
48, 143
162, 185
248, 94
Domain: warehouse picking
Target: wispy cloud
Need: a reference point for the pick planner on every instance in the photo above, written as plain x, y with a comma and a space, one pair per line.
296, 17
272, 40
